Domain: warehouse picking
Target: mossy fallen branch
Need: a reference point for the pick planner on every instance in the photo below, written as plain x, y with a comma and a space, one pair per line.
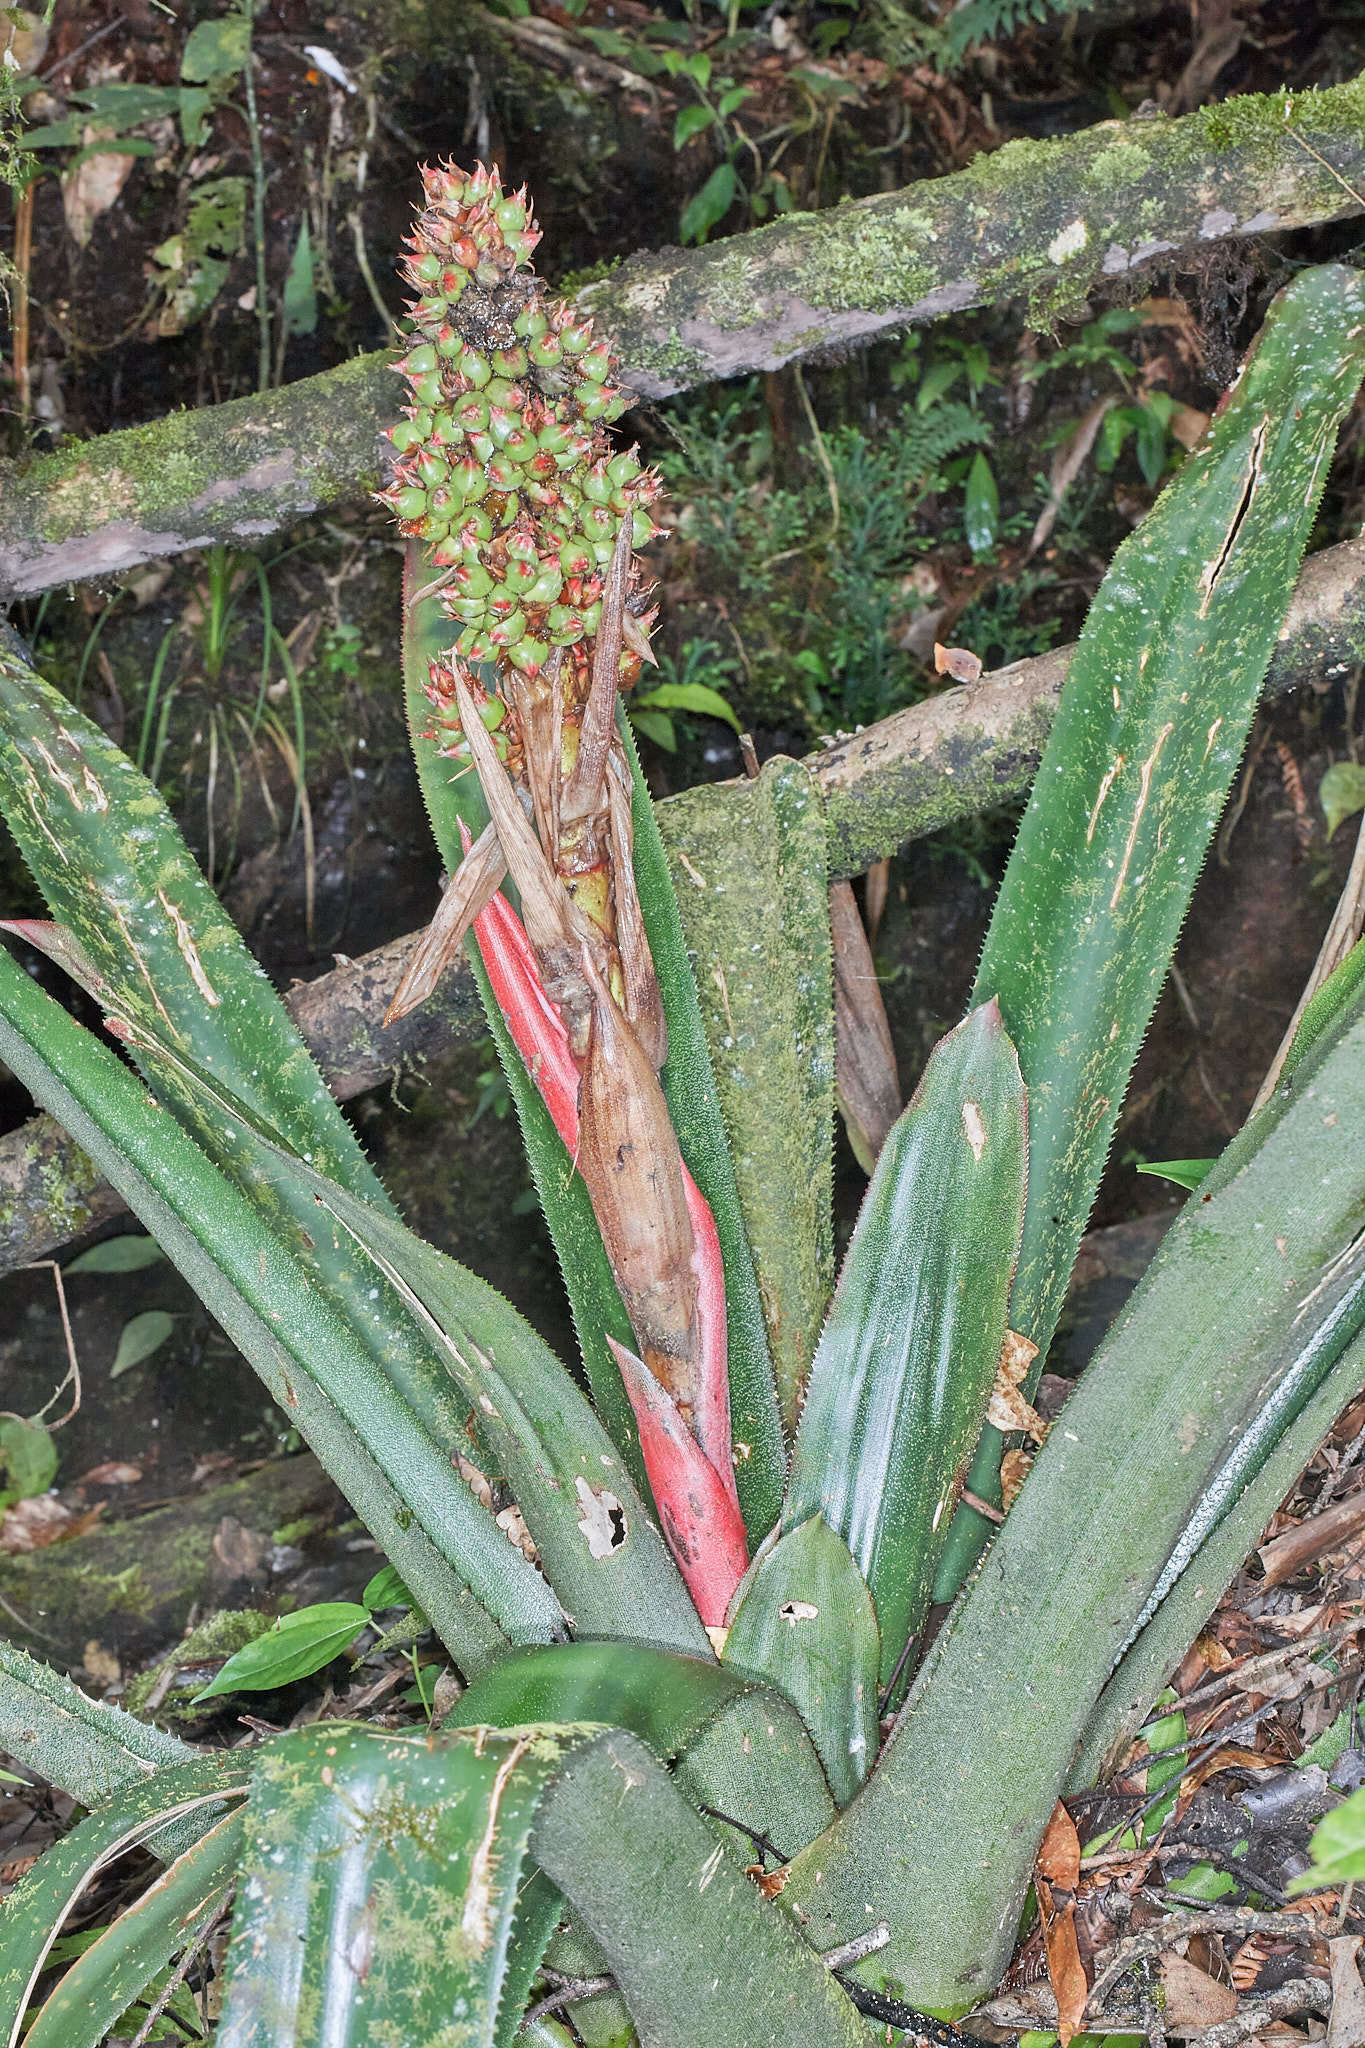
1045, 222
913, 774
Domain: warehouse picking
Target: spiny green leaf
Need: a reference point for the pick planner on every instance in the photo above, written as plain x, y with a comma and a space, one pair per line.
805, 1623
32, 1915
900, 1383
293, 1647
398, 1864
752, 894
663, 1698
267, 1301
698, 1955
119, 877
1148, 735
127, 1956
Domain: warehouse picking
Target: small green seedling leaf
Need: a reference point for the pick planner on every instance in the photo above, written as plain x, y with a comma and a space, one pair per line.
300, 289
1337, 1847
710, 205
216, 50
1341, 793
28, 1460
297, 1646
690, 122
981, 509
1186, 1173
688, 697
386, 1589
117, 1255
139, 1338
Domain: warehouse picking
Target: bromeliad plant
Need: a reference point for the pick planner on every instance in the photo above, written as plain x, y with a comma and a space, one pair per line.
738, 1537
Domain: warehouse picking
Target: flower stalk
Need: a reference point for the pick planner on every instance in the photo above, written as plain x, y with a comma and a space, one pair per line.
506, 474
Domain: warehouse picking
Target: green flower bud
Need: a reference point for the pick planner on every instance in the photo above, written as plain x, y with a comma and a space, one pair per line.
530, 323
427, 268
508, 630
488, 273
530, 655
471, 412
442, 503
405, 436
510, 362
423, 421
453, 282
501, 424
592, 617
428, 391
492, 712
598, 524
449, 341
446, 553
432, 468
623, 467
471, 579
419, 361
472, 610
554, 437
642, 529
521, 547
467, 480
503, 473
481, 447
575, 558
502, 391
444, 432
595, 486
519, 576
510, 214
597, 362
545, 351
476, 526
473, 366
503, 600
547, 585
576, 338
410, 503
594, 401
603, 550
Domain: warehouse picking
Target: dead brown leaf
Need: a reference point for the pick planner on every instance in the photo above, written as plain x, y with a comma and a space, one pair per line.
1194, 2000
34, 1524
864, 1060
1346, 2027
1056, 1874
94, 185
958, 662
112, 1473
1009, 1409
1015, 1467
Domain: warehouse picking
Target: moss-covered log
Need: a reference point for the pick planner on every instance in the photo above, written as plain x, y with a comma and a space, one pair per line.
959, 753
948, 758
1042, 221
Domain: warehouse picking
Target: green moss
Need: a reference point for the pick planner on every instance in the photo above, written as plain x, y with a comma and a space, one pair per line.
216, 1638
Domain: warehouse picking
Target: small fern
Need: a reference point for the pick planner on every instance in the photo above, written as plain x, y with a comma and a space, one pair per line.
992, 21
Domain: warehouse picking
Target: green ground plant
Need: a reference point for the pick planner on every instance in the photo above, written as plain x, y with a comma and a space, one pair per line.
724, 1605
